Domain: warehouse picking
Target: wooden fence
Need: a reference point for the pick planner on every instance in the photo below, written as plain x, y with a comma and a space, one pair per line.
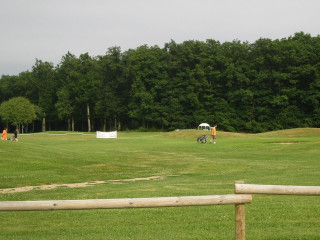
238, 199
241, 188
241, 197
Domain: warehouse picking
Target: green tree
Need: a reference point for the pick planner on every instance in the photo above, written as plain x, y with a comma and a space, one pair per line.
79, 81
149, 89
64, 106
45, 82
7, 87
89, 82
111, 97
17, 111
68, 74
189, 82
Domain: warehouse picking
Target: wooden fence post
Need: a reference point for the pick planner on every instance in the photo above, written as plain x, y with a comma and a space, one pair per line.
240, 220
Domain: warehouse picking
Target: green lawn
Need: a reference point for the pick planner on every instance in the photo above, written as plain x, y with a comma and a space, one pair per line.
180, 167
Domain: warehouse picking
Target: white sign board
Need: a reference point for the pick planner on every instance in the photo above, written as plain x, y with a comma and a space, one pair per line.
107, 134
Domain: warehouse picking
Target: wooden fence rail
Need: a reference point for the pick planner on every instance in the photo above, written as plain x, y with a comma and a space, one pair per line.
241, 188
125, 203
237, 199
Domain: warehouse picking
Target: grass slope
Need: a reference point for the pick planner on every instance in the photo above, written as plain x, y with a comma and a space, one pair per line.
185, 168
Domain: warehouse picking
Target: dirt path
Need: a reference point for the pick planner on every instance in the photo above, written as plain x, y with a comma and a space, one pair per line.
74, 185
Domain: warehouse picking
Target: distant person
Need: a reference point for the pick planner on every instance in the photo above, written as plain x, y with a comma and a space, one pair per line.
214, 133
4, 134
15, 135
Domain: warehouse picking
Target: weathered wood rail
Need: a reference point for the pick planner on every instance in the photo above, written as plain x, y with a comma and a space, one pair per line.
125, 203
237, 199
241, 188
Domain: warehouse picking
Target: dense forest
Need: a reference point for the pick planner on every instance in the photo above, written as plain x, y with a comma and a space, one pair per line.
241, 86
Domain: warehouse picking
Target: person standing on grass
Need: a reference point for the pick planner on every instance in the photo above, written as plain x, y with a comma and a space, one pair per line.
4, 134
214, 133
15, 135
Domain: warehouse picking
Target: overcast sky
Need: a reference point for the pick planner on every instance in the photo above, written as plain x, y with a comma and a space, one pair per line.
48, 29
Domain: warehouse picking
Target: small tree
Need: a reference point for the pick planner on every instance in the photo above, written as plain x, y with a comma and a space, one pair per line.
17, 111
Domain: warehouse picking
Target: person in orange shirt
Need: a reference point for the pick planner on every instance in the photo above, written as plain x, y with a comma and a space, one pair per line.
214, 133
4, 134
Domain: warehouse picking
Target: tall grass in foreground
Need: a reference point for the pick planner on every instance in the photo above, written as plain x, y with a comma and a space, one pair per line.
183, 167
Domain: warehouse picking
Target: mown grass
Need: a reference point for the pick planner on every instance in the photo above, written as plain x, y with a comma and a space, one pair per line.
186, 168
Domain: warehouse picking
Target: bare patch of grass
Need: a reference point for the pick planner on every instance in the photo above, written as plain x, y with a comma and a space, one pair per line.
74, 185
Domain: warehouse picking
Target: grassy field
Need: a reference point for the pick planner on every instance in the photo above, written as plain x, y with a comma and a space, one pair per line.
48, 166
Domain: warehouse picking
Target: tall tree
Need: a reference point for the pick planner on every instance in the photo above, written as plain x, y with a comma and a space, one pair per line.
111, 95
68, 77
147, 66
64, 106
44, 81
88, 84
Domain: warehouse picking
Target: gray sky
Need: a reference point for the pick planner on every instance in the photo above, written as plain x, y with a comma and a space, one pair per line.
48, 29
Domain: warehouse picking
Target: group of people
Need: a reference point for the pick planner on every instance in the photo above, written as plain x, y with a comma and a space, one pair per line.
5, 135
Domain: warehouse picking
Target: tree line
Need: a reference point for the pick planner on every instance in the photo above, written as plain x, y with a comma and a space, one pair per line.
245, 87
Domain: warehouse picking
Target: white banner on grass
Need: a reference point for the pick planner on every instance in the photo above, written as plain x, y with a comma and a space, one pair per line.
107, 134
